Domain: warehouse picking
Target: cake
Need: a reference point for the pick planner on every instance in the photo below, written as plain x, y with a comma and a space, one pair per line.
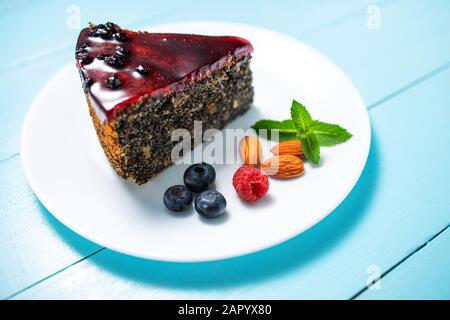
141, 86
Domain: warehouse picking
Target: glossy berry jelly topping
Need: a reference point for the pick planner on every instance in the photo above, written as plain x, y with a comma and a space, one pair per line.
122, 51
113, 82
142, 69
115, 60
147, 63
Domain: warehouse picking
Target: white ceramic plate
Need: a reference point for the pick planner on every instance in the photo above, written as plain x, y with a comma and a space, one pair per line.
69, 173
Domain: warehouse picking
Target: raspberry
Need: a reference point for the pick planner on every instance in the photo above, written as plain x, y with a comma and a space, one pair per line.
250, 184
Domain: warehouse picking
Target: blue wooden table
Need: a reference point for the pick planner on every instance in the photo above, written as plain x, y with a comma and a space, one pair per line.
394, 224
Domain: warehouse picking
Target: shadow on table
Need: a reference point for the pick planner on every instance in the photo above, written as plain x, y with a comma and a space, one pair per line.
294, 254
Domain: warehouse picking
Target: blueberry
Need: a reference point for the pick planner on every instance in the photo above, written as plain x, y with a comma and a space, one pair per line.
94, 33
113, 82
84, 57
210, 204
101, 56
199, 177
111, 26
87, 83
122, 51
142, 69
82, 48
103, 33
115, 60
177, 198
121, 36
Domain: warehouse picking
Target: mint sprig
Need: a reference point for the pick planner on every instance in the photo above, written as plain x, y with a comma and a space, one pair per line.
300, 117
328, 134
312, 133
310, 146
286, 129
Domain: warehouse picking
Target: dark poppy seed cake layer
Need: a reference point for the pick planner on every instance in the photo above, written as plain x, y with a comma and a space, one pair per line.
141, 86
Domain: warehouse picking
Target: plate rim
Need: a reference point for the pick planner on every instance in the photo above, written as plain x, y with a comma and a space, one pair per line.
170, 258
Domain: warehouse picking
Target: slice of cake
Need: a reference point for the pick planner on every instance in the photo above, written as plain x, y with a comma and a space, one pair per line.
141, 86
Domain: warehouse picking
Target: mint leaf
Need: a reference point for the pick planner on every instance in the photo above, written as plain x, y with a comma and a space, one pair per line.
285, 125
286, 128
310, 146
300, 117
312, 133
328, 134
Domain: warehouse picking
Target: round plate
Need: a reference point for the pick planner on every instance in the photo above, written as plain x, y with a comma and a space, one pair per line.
69, 173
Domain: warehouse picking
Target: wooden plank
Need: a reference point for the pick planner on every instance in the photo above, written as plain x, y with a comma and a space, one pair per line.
23, 85
423, 276
23, 262
11, 7
62, 20
386, 217
33, 243
412, 41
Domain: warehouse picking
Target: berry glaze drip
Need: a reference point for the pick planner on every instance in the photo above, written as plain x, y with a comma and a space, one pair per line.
150, 64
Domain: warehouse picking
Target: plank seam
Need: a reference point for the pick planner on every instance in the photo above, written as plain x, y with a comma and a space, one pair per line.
10, 157
54, 274
412, 84
401, 261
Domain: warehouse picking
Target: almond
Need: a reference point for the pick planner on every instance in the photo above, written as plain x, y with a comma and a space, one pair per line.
293, 147
250, 150
283, 166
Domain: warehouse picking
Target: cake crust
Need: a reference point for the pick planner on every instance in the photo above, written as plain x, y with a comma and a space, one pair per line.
118, 72
136, 135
